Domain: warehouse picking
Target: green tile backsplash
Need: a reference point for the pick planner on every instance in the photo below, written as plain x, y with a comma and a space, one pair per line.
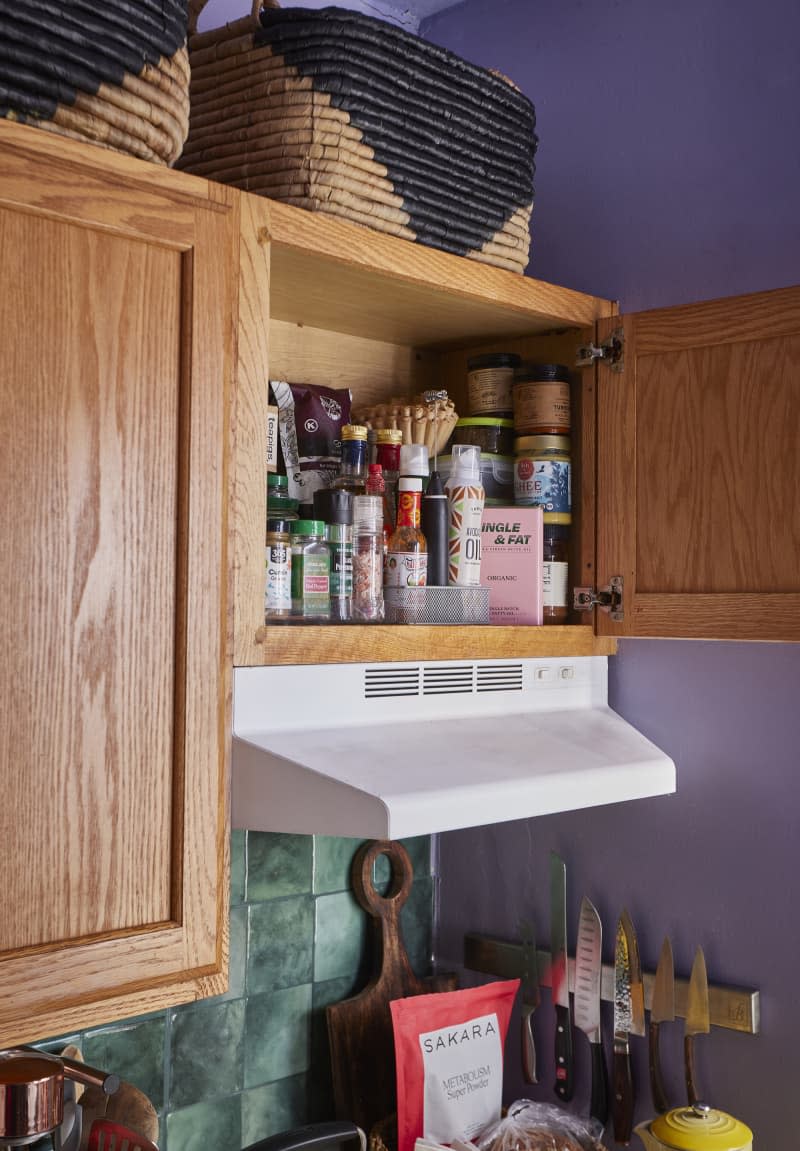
228, 1071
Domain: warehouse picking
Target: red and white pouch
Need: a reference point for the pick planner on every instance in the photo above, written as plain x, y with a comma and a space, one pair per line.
449, 1053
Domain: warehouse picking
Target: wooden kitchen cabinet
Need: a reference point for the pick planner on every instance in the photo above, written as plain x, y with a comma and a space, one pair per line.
117, 322
685, 466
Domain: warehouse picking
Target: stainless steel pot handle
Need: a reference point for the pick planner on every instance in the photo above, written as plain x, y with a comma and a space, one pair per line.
314, 1135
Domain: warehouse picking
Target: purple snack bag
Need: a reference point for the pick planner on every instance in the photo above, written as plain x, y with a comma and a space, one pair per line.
310, 418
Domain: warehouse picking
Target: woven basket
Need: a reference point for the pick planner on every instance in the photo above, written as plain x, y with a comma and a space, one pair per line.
338, 112
114, 73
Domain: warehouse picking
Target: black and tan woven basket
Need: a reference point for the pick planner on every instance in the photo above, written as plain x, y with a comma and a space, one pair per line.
339, 112
114, 72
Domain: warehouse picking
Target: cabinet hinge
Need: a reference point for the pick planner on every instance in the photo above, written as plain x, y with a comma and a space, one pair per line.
608, 599
611, 352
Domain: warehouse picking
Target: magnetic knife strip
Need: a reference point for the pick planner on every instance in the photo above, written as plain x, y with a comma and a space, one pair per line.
736, 1008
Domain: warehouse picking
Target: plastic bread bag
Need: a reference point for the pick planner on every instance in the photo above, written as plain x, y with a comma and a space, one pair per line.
449, 1060
530, 1126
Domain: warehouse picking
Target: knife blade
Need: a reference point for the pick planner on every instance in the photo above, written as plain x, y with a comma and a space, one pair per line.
560, 978
530, 998
588, 973
628, 1020
662, 1010
697, 1019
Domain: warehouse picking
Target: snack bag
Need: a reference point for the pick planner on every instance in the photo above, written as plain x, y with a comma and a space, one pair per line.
530, 1126
449, 1054
310, 419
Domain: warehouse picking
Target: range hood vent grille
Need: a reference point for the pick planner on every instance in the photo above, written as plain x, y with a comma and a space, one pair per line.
387, 682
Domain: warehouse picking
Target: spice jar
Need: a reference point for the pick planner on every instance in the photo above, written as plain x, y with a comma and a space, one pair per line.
543, 476
280, 504
278, 562
352, 473
542, 400
335, 507
368, 559
311, 595
555, 573
490, 380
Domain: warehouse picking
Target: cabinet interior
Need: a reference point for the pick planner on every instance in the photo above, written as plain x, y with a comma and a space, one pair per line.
352, 309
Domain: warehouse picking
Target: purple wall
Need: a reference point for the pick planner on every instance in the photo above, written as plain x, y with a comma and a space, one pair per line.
668, 171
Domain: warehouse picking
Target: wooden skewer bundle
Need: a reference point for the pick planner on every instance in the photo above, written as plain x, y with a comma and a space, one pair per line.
421, 421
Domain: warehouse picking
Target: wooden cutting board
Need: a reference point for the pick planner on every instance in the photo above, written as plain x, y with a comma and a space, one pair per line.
360, 1029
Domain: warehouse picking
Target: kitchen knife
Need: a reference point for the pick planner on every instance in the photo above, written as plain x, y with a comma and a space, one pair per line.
530, 998
697, 1018
588, 971
560, 977
661, 1011
628, 1020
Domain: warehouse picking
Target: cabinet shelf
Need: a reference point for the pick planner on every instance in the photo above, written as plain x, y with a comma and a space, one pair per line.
367, 643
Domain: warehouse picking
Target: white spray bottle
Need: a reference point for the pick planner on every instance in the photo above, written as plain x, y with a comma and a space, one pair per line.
465, 499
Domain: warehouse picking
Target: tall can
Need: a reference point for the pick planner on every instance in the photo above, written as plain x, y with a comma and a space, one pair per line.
465, 500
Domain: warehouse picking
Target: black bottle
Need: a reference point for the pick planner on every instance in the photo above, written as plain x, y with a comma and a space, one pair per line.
434, 528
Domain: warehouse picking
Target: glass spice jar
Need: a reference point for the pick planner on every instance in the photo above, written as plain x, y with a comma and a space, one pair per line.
352, 473
335, 507
311, 593
278, 563
368, 606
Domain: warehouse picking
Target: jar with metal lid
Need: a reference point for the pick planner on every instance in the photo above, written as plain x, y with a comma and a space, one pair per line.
278, 561
555, 573
311, 588
542, 400
352, 473
490, 379
280, 504
543, 476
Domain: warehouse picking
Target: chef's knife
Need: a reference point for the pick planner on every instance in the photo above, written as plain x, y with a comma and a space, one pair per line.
628, 1020
661, 1011
560, 977
697, 1018
530, 998
588, 972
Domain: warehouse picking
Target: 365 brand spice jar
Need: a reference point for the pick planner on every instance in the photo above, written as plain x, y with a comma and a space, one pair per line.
541, 400
278, 561
543, 476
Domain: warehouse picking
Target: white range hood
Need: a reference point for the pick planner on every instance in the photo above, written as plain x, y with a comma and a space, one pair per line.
387, 751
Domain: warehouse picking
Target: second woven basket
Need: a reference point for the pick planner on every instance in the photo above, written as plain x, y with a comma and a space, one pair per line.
338, 112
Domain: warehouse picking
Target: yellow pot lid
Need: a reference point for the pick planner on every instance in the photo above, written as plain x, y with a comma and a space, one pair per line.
701, 1128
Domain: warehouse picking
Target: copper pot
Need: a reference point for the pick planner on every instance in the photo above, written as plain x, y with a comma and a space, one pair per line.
31, 1096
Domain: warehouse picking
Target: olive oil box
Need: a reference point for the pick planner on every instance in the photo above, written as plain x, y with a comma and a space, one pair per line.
511, 564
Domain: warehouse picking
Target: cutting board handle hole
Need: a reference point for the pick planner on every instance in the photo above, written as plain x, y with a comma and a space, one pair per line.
363, 871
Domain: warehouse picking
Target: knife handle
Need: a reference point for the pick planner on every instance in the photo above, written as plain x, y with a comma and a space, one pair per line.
688, 1060
623, 1095
528, 1046
656, 1080
563, 1043
598, 1108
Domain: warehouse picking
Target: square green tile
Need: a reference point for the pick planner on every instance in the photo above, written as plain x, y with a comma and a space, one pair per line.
321, 1078
280, 944
277, 1035
339, 937
135, 1050
207, 1125
238, 866
333, 857
237, 963
278, 865
273, 1108
416, 926
207, 1052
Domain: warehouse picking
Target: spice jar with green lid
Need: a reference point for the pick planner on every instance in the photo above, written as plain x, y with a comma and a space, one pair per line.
311, 588
280, 504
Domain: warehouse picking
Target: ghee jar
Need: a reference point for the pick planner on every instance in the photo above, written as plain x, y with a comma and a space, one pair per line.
543, 476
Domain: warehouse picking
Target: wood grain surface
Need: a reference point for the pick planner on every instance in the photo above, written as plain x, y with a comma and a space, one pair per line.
115, 381
360, 1029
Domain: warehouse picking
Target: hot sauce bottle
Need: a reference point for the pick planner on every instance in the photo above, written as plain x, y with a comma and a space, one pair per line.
406, 569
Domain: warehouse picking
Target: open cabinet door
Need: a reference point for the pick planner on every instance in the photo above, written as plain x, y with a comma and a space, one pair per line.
699, 470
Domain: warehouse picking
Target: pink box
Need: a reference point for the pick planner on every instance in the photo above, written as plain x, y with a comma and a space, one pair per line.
511, 564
